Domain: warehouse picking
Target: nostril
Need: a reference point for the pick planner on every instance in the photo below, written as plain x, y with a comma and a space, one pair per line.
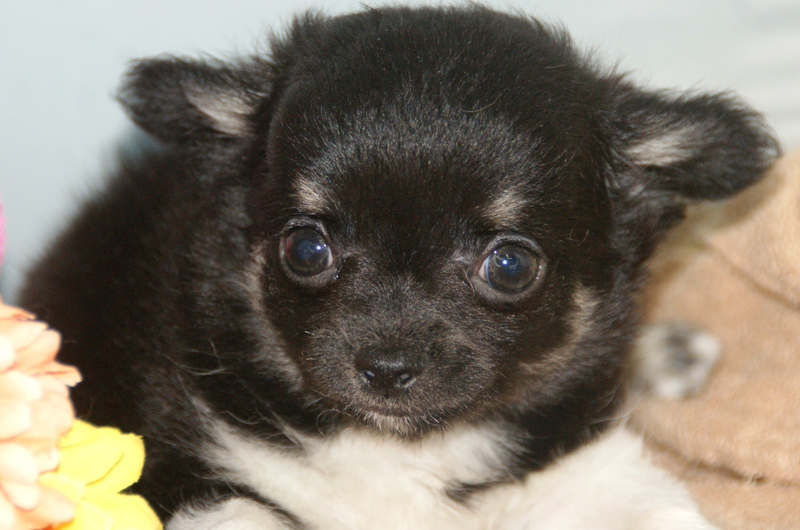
387, 371
405, 379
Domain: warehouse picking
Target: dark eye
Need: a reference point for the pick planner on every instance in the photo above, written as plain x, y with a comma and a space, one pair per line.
306, 252
510, 269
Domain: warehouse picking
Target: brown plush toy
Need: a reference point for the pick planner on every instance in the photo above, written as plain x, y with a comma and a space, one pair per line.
736, 444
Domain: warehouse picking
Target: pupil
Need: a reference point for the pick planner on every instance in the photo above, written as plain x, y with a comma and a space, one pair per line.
308, 248
307, 252
510, 269
510, 264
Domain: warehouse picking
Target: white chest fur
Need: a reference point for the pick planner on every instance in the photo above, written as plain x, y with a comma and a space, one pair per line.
360, 480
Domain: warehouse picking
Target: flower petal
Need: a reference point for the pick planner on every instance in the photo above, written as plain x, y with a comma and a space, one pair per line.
16, 417
24, 333
7, 513
23, 496
90, 462
54, 508
130, 512
47, 460
126, 471
71, 488
7, 355
89, 517
62, 373
11, 312
52, 415
80, 433
17, 464
16, 385
56, 377
41, 351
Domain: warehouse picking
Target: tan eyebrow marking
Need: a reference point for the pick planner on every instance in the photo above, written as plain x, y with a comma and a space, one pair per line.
312, 197
505, 209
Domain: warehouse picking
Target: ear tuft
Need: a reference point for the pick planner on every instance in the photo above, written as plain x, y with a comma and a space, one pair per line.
226, 110
182, 101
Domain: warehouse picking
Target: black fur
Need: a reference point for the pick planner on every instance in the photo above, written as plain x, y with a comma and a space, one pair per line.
408, 124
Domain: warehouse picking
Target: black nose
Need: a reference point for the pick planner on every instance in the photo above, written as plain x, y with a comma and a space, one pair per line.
386, 371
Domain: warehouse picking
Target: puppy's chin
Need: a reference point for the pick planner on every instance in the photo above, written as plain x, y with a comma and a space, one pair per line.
405, 426
405, 421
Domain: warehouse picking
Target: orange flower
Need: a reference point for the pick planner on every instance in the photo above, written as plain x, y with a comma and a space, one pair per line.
35, 412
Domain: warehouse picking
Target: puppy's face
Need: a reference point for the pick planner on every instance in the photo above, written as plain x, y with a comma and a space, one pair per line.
448, 208
419, 274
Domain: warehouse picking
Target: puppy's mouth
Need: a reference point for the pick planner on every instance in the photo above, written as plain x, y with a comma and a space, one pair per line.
410, 414
402, 424
414, 413
403, 390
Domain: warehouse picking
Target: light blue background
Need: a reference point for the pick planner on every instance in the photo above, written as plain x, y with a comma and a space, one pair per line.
60, 62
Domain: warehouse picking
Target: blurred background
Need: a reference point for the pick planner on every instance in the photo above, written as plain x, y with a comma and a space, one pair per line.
60, 63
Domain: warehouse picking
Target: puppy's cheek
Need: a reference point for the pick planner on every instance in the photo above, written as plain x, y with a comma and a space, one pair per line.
466, 374
329, 373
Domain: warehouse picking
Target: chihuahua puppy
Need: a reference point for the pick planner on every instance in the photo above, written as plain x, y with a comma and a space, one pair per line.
384, 277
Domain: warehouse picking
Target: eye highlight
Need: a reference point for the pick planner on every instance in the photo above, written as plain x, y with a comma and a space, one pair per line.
510, 270
305, 252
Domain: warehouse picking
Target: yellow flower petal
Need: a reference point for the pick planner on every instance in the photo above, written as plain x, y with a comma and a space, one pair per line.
80, 433
126, 471
89, 462
88, 517
73, 489
97, 462
130, 512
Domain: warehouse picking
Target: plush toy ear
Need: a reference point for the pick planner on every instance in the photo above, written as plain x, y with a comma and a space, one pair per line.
186, 102
690, 147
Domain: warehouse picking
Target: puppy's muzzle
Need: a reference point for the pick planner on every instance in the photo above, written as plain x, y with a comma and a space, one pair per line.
388, 372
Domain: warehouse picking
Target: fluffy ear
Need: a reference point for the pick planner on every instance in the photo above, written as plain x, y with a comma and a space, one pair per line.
689, 147
670, 150
186, 102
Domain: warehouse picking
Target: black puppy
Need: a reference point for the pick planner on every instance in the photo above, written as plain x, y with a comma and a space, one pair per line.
384, 277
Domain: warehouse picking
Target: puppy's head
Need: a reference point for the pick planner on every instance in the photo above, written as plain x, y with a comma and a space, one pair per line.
448, 209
